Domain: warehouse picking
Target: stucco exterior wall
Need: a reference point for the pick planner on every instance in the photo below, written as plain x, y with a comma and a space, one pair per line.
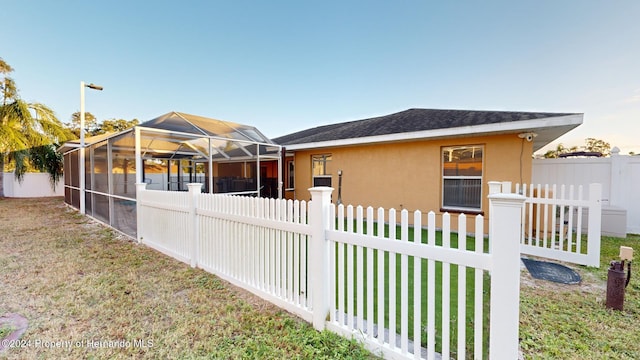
408, 175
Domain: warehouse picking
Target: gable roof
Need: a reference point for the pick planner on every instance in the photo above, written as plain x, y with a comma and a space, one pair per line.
413, 124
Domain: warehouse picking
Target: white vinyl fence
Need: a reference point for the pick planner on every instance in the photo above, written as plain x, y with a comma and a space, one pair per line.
406, 292
32, 185
559, 222
256, 243
618, 174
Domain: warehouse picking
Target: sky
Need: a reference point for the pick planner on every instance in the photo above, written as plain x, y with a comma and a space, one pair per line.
285, 66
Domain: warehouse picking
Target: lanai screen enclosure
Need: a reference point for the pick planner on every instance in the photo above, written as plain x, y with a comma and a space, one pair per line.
167, 153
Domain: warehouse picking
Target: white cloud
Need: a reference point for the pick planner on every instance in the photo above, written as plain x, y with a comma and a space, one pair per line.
633, 98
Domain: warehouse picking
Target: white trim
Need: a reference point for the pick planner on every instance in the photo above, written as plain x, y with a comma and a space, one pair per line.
291, 173
458, 177
503, 127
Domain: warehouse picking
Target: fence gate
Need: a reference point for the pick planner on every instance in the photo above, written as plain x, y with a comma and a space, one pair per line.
558, 222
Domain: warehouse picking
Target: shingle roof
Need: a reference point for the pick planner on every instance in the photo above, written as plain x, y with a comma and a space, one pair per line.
406, 121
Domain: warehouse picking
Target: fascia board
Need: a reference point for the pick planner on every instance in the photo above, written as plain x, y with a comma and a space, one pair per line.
506, 127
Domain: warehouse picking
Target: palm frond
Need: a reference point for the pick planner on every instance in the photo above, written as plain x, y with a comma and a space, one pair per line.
4, 67
49, 123
47, 159
27, 134
9, 89
19, 159
12, 138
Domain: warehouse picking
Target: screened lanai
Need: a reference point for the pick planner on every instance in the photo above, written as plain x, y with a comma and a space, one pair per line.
167, 153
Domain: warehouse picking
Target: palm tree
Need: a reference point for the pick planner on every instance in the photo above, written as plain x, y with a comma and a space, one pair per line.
7, 85
28, 131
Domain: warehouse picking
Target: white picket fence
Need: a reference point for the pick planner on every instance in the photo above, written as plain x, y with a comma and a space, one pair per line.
339, 270
256, 243
555, 220
377, 256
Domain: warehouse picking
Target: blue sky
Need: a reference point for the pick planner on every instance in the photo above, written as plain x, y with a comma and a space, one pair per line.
284, 66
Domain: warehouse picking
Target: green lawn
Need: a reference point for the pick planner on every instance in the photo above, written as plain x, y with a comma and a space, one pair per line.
557, 321
572, 322
453, 269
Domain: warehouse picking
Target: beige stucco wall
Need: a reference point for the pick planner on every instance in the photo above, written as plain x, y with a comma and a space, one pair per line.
408, 175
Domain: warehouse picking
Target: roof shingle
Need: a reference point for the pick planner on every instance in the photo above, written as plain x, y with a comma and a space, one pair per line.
410, 120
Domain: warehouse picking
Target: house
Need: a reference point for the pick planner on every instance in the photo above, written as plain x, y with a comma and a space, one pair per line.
167, 153
420, 159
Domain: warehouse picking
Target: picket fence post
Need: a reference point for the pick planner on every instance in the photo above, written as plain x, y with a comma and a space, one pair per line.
505, 211
617, 177
495, 187
194, 190
319, 254
140, 187
595, 224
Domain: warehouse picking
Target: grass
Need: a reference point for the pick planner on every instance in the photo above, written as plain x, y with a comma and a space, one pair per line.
76, 281
5, 330
453, 304
557, 321
572, 322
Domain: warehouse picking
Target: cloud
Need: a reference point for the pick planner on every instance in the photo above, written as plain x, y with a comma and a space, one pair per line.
633, 98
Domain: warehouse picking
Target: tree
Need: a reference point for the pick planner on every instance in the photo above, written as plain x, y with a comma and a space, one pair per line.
596, 145
90, 123
7, 85
42, 158
592, 145
113, 126
28, 132
93, 127
560, 149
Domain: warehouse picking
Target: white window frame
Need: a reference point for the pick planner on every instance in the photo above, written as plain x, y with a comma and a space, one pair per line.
324, 158
461, 177
291, 175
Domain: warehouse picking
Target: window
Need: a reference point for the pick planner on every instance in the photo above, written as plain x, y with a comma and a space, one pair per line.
290, 175
320, 172
462, 177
